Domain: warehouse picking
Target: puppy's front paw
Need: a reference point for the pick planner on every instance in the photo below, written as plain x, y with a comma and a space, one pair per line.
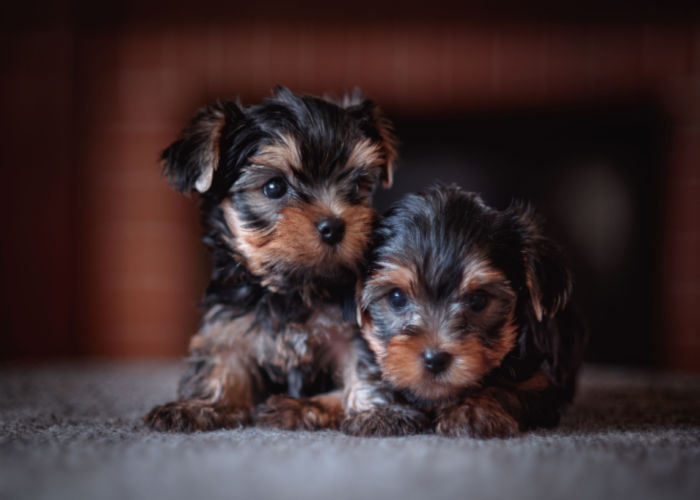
480, 416
384, 421
191, 416
284, 412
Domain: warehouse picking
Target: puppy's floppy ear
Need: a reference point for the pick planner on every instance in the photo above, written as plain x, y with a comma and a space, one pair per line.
547, 277
190, 161
377, 127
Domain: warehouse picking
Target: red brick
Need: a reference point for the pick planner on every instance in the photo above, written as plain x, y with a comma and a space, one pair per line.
682, 97
521, 61
665, 52
566, 64
613, 58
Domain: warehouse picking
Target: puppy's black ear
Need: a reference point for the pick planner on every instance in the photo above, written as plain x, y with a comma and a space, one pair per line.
190, 161
547, 277
377, 127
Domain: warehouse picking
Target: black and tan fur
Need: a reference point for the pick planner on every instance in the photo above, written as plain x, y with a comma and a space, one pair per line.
466, 321
285, 188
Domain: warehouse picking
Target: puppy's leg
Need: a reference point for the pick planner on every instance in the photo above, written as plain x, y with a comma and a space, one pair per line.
481, 415
216, 393
371, 408
323, 411
385, 420
503, 411
192, 415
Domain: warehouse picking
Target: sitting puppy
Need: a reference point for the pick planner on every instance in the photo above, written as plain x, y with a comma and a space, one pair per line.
285, 188
466, 322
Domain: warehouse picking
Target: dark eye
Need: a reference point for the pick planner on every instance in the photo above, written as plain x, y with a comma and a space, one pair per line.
361, 187
397, 300
353, 193
275, 188
477, 301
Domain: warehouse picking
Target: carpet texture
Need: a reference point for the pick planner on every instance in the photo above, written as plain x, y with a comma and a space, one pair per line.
74, 431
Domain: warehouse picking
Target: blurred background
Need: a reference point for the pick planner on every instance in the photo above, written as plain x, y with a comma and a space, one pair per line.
591, 111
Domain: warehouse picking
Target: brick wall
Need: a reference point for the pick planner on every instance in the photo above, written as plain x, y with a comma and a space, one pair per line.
131, 85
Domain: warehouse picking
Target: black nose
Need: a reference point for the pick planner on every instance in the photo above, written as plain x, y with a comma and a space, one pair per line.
331, 230
436, 361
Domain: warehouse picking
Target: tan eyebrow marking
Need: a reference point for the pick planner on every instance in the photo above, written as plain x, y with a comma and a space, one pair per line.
365, 153
477, 273
282, 154
395, 274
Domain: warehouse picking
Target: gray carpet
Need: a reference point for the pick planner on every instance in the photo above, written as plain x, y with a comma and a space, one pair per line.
73, 432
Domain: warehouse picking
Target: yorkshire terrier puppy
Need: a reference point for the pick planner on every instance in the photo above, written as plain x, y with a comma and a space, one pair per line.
466, 323
284, 188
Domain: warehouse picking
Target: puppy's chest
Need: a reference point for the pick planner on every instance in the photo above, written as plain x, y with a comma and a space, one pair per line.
319, 343
297, 357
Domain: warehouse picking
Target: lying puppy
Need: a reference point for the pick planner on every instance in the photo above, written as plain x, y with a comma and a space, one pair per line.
285, 188
466, 322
